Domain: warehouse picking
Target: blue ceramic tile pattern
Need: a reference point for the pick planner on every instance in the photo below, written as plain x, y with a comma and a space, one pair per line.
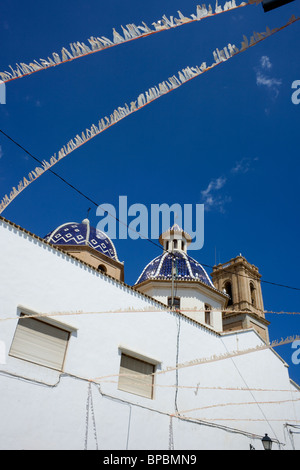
186, 268
76, 234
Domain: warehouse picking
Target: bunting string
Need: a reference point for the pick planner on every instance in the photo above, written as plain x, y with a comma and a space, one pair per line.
144, 99
129, 310
215, 358
130, 32
207, 420
196, 388
80, 312
217, 405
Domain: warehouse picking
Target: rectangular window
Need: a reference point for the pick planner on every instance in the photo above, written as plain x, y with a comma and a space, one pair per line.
207, 314
207, 318
39, 342
136, 376
176, 301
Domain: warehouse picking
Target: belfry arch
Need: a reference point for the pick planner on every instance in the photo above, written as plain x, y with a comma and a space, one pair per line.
240, 280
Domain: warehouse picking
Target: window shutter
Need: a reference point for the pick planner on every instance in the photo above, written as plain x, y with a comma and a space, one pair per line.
39, 342
136, 376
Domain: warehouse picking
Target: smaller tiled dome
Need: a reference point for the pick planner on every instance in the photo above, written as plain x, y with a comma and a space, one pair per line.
79, 234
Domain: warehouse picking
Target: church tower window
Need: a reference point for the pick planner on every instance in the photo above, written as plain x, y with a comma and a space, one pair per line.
228, 289
176, 302
207, 314
102, 268
240, 280
253, 294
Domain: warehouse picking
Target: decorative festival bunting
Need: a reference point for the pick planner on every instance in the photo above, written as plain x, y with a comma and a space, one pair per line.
241, 403
214, 358
127, 310
228, 355
183, 76
129, 33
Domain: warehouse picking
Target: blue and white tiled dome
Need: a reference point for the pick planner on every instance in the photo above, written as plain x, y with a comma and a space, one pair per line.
186, 269
175, 242
79, 234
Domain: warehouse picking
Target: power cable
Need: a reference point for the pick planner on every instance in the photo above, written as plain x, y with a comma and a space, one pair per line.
250, 391
70, 184
123, 223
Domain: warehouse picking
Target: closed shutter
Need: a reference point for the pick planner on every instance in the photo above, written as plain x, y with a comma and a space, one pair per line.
136, 376
39, 342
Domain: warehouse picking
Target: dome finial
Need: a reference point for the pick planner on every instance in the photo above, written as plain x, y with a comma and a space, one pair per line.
175, 238
87, 220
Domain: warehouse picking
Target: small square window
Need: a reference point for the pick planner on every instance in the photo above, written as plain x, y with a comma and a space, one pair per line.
136, 376
176, 302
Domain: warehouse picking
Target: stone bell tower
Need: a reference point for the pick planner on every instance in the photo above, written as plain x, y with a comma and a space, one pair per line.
245, 309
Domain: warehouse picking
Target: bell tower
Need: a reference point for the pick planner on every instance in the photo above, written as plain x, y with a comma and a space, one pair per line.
240, 280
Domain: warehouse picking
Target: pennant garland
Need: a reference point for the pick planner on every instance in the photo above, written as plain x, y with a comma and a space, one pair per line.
130, 33
143, 99
214, 358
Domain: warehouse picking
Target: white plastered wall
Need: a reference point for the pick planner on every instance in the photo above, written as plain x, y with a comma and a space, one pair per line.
44, 409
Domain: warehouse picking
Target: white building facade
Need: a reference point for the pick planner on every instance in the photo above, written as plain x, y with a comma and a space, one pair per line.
91, 363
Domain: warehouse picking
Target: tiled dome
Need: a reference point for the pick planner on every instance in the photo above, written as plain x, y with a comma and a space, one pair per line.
175, 242
79, 234
186, 269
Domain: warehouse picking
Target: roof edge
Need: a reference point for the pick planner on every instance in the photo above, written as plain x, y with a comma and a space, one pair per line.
121, 283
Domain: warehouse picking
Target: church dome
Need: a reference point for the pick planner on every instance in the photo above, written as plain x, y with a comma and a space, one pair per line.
185, 269
175, 242
82, 234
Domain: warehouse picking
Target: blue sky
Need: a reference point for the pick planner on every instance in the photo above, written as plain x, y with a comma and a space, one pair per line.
228, 139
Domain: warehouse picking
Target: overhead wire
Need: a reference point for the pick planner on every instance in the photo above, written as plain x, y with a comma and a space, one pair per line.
92, 201
193, 362
88, 198
47, 167
177, 366
250, 391
165, 87
197, 420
